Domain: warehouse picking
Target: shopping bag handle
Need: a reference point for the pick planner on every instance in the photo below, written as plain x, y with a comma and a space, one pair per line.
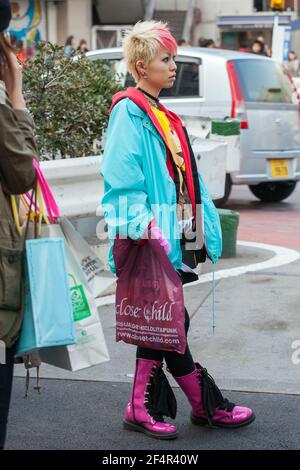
51, 205
33, 194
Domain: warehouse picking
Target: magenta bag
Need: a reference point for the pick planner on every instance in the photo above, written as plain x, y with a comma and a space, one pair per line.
149, 297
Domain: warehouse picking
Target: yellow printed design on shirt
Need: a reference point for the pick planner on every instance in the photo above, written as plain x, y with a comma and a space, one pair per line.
184, 207
173, 142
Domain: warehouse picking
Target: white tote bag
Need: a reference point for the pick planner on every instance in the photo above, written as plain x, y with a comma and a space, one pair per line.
90, 348
99, 280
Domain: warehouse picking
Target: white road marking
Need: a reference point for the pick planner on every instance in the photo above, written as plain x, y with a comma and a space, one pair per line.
281, 257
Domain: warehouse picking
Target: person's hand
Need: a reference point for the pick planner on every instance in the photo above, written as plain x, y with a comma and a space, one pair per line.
156, 232
11, 74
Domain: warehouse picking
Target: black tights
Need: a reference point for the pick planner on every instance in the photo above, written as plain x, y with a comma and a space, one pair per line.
178, 364
6, 377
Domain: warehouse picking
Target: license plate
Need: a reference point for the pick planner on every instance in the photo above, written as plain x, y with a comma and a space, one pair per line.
279, 168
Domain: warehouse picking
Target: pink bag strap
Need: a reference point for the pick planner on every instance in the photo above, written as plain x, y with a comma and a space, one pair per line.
50, 203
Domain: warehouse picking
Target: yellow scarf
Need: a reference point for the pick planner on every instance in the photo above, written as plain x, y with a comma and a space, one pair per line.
173, 143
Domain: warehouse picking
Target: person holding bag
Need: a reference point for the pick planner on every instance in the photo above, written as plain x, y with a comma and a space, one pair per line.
152, 190
17, 176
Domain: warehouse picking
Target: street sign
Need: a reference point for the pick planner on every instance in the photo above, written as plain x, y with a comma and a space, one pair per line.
281, 41
287, 42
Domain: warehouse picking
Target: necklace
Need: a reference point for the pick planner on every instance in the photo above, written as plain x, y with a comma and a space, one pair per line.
148, 95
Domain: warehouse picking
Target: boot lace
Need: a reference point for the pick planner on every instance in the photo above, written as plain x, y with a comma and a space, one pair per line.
160, 400
212, 398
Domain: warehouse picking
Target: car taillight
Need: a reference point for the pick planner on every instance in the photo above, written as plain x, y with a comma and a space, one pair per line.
238, 109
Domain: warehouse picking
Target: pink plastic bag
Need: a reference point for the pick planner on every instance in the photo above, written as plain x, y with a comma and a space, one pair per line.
149, 297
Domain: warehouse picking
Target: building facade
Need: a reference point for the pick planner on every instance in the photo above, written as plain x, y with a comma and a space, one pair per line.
54, 20
232, 24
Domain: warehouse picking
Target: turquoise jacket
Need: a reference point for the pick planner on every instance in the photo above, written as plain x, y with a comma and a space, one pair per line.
138, 186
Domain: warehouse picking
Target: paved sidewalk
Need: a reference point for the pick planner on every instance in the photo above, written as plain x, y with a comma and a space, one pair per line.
88, 415
258, 325
257, 317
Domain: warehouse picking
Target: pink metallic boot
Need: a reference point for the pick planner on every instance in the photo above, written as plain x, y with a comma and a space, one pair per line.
208, 404
151, 399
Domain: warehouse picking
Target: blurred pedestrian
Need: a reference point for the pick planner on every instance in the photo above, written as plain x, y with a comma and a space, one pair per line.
17, 176
209, 43
18, 46
257, 47
293, 64
183, 43
82, 46
21, 55
70, 46
268, 50
262, 39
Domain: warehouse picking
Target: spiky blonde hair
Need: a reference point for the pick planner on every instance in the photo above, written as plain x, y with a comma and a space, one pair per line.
144, 42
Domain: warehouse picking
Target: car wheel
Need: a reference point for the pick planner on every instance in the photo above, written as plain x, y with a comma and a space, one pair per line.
273, 192
228, 186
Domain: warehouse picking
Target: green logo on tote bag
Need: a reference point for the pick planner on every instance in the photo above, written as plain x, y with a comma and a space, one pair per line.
80, 304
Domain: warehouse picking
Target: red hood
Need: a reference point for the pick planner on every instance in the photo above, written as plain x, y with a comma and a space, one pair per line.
140, 100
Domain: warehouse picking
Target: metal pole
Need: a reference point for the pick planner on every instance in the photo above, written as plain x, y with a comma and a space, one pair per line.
186, 33
295, 34
149, 9
296, 8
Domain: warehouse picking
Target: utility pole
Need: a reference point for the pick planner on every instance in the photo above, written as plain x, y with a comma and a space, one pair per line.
149, 9
187, 27
296, 8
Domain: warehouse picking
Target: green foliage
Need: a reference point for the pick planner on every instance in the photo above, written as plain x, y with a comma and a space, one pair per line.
69, 99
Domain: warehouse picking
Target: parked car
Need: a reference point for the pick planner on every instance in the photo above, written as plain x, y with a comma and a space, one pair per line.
217, 84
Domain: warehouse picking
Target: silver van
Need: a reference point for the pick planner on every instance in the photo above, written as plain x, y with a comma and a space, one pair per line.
217, 84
